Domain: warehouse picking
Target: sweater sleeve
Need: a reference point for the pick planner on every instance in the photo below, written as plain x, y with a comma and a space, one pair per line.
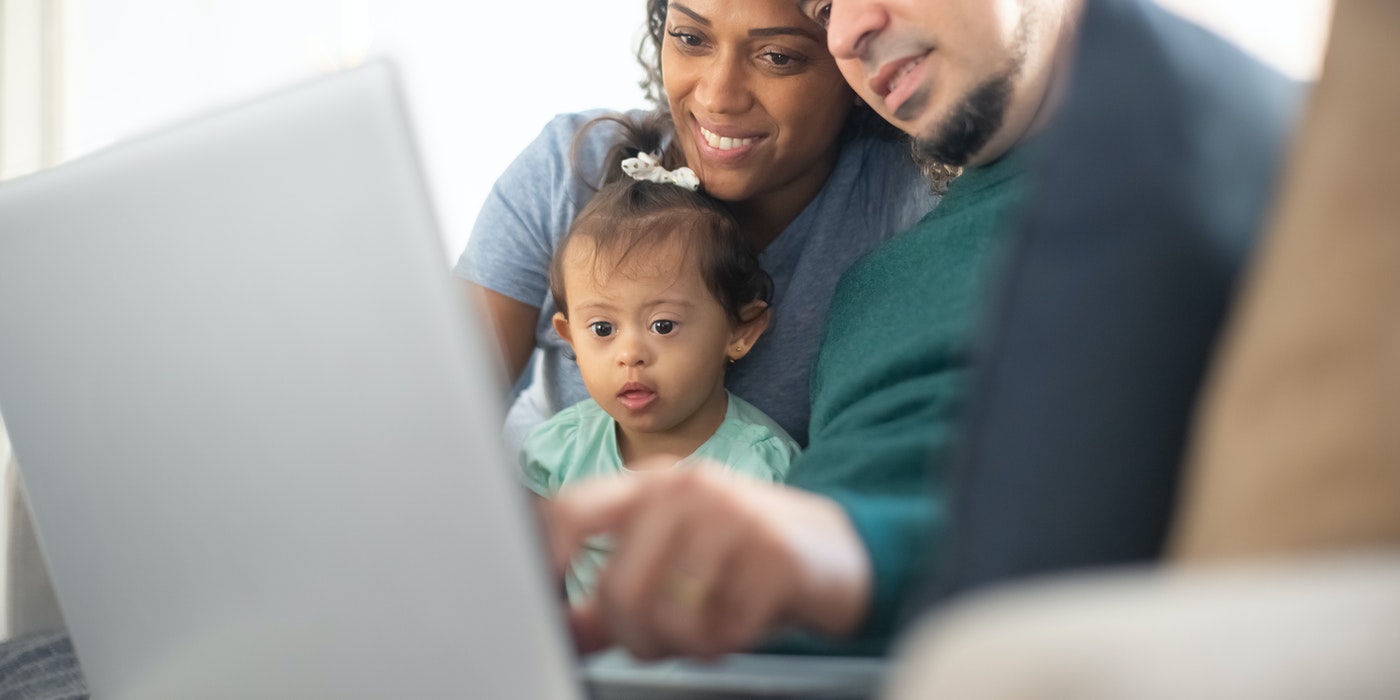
873, 460
888, 389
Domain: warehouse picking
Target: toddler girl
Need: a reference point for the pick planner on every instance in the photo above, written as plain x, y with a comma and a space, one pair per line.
658, 293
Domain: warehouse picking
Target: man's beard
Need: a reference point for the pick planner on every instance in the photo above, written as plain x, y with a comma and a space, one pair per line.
980, 113
970, 126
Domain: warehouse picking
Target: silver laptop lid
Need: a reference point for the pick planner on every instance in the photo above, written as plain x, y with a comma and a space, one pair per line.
258, 435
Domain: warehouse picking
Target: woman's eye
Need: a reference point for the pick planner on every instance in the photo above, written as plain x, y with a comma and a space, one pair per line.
663, 327
602, 329
684, 37
779, 59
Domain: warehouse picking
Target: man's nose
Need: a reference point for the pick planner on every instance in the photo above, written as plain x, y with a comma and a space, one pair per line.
852, 25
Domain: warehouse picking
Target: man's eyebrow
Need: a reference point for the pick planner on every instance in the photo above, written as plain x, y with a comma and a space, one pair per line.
690, 13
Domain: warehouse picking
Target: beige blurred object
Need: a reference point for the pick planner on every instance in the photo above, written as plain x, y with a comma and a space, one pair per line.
1297, 446
30, 605
1305, 629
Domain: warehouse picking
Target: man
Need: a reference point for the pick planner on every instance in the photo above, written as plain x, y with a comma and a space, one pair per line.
707, 563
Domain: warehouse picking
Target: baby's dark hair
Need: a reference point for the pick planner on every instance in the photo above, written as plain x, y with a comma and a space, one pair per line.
627, 217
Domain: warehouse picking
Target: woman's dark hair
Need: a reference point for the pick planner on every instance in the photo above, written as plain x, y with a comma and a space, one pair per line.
649, 53
628, 217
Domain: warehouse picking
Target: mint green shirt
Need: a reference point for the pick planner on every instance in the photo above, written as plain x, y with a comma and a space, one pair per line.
580, 442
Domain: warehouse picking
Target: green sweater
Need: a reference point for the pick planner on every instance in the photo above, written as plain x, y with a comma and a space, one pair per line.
891, 377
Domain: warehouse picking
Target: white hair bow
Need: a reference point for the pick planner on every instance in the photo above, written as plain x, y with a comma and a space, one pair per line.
648, 167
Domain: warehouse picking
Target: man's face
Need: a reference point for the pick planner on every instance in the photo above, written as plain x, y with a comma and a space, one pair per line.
965, 78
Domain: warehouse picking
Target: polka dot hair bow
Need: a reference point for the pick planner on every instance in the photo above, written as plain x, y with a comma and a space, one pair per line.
648, 167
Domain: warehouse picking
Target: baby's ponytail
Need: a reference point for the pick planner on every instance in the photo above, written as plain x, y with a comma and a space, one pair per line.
645, 134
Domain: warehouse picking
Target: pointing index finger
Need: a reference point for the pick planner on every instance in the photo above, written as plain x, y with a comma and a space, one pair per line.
589, 508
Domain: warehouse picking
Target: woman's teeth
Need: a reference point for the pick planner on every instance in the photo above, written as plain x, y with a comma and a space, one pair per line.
723, 143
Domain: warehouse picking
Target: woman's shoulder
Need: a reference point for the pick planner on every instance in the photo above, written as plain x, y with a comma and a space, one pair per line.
882, 183
556, 139
564, 141
885, 160
565, 127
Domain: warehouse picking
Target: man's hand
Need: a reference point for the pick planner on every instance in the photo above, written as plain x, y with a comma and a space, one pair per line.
706, 562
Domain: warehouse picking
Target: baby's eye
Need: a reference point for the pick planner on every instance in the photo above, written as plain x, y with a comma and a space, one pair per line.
602, 329
823, 14
663, 326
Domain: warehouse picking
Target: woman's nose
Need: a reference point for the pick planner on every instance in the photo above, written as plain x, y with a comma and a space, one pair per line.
852, 25
723, 86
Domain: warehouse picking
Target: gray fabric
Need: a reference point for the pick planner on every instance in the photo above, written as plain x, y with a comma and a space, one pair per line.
874, 192
1152, 185
40, 667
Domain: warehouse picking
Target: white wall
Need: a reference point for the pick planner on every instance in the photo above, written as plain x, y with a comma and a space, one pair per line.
1287, 34
482, 77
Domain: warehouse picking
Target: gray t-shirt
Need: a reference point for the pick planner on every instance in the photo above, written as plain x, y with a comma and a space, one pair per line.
874, 192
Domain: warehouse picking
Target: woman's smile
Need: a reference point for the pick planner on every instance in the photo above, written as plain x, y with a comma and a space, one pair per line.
725, 143
724, 146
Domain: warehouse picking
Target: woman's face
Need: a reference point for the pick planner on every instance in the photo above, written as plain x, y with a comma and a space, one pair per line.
757, 99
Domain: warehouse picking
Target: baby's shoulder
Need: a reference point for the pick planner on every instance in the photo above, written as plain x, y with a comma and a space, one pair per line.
575, 443
751, 442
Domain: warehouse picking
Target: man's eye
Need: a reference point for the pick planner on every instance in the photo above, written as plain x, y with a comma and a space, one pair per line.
662, 327
602, 329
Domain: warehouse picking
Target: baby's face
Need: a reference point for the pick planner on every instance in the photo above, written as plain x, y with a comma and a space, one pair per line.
650, 339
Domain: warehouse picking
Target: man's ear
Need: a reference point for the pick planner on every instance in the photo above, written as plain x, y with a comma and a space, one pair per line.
756, 315
561, 326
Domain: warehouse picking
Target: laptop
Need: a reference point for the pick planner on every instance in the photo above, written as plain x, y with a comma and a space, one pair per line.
261, 439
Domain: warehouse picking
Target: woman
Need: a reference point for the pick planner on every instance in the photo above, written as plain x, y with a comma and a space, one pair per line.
762, 115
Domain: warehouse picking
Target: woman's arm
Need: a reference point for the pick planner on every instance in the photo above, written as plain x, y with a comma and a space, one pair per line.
513, 322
